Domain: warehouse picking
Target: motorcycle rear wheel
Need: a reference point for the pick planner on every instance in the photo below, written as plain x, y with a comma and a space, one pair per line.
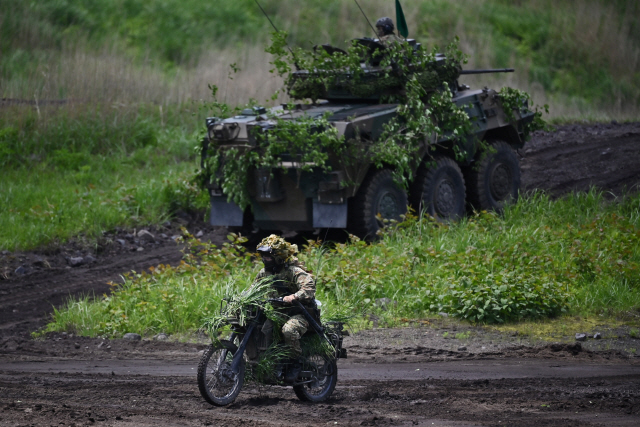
325, 376
218, 385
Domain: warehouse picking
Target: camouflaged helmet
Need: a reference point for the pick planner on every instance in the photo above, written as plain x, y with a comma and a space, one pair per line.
386, 24
279, 248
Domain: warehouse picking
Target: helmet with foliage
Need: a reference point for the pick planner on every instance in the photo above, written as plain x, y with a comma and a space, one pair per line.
278, 248
386, 24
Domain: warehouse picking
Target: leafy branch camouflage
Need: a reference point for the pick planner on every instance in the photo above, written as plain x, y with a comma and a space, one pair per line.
420, 83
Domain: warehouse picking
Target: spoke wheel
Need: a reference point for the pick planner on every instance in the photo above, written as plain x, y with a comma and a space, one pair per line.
495, 180
324, 376
439, 189
217, 383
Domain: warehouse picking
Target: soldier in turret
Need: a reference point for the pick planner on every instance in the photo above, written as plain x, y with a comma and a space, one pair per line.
385, 28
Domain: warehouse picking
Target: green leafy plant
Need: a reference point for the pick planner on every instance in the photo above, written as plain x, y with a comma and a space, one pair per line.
502, 298
516, 100
463, 335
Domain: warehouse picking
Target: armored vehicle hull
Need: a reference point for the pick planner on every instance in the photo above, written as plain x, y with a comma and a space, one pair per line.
450, 175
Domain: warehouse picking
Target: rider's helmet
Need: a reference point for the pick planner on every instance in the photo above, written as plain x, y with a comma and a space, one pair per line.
386, 24
275, 252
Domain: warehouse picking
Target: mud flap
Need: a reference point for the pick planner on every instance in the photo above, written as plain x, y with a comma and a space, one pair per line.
225, 213
329, 216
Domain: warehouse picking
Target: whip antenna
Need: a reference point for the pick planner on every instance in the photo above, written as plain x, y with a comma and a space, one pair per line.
265, 14
295, 61
365, 17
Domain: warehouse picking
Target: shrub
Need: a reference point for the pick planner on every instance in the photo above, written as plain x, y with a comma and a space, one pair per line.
503, 297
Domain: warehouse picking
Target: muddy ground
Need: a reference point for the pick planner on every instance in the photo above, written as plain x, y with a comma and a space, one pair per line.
436, 373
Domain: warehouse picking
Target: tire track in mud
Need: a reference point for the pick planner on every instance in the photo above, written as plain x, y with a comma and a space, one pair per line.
81, 399
485, 369
574, 158
27, 301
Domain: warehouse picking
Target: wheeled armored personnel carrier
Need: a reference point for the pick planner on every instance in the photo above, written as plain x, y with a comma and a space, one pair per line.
449, 174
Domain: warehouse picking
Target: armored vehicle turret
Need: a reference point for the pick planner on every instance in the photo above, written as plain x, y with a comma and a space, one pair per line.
441, 170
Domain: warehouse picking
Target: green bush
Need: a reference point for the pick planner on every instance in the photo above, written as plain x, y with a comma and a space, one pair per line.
503, 298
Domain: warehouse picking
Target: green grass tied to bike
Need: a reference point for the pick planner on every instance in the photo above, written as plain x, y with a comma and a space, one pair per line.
276, 334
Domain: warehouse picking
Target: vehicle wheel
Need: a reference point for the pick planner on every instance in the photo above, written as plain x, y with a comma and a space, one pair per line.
495, 180
439, 190
218, 385
379, 194
324, 376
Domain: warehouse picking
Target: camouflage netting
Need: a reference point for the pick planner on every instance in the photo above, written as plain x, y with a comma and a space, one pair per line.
280, 247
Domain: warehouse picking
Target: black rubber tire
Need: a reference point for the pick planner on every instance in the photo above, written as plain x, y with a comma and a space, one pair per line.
320, 390
209, 372
377, 194
439, 189
495, 180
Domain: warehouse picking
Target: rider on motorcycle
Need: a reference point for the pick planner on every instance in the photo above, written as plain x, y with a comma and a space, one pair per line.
292, 282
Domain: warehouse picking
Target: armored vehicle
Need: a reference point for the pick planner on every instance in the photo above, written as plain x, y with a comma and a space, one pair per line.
448, 174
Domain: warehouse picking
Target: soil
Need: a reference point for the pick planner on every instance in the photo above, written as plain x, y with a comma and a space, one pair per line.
439, 372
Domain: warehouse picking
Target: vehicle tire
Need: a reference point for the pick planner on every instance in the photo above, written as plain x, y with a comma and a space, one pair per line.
495, 180
217, 384
439, 189
325, 376
377, 194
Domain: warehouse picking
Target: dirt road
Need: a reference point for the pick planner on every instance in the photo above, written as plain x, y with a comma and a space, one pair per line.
81, 381
414, 376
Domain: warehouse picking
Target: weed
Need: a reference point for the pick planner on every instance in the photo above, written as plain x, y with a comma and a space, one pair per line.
634, 333
463, 335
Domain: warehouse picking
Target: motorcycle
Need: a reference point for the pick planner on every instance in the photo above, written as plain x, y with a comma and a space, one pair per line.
251, 351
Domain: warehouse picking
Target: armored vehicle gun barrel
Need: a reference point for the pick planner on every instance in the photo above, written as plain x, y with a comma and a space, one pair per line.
488, 71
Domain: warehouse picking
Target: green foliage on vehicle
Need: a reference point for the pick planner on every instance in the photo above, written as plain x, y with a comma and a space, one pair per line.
417, 82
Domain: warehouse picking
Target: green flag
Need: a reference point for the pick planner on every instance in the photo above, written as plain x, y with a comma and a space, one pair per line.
403, 30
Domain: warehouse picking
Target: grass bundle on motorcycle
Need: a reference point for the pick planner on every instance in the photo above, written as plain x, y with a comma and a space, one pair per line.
242, 307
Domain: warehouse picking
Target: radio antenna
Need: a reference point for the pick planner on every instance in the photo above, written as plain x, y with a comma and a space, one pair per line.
365, 17
295, 61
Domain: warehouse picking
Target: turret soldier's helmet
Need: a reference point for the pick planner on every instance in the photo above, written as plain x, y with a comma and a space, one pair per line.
386, 24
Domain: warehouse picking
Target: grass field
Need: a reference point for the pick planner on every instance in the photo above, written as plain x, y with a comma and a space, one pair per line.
541, 259
67, 173
579, 56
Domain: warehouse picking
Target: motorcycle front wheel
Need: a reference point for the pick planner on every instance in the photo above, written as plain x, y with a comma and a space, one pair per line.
217, 383
324, 376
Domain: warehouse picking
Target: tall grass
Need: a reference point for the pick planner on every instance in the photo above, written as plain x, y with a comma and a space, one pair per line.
540, 259
67, 173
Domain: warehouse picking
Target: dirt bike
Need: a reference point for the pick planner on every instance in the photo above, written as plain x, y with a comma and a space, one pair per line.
223, 366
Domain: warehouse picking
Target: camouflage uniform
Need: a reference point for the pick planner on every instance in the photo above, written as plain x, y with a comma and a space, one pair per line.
296, 281
388, 39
